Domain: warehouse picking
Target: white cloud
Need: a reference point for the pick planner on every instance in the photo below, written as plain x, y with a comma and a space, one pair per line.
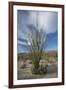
46, 19
21, 42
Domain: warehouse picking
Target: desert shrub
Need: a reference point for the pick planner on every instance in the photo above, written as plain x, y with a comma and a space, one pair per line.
30, 62
23, 66
41, 70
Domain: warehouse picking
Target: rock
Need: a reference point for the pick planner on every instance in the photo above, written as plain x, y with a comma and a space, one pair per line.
52, 68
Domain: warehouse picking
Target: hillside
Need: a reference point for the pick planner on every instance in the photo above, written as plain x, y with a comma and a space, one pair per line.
25, 56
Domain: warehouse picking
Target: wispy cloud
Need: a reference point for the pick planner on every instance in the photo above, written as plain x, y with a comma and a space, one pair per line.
49, 20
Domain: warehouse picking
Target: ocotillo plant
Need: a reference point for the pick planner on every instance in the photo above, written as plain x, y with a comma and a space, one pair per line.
37, 42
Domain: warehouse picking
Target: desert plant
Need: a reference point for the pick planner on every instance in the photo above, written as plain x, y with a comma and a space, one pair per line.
37, 40
37, 43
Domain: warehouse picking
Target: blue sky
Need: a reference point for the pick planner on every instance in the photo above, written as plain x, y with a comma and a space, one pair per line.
46, 19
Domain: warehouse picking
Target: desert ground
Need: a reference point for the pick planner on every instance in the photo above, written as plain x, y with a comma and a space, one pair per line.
25, 72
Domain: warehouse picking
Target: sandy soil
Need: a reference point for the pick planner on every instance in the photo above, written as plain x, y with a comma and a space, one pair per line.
26, 74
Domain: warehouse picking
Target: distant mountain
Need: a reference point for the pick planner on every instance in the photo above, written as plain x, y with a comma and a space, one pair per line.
25, 56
